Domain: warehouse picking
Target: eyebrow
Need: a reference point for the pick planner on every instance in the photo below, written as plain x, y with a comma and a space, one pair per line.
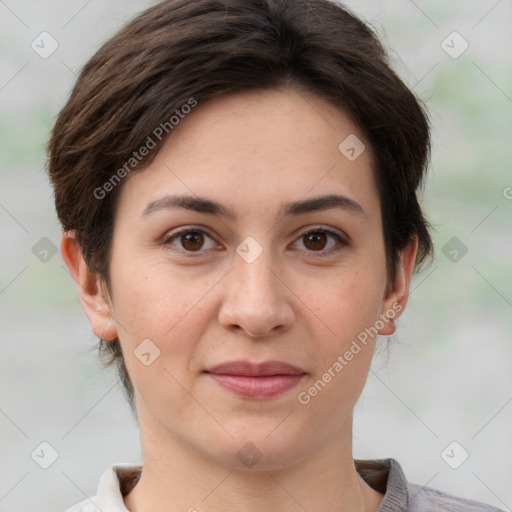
208, 206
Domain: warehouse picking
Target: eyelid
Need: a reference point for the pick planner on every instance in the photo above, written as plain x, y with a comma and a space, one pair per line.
169, 236
326, 229
342, 239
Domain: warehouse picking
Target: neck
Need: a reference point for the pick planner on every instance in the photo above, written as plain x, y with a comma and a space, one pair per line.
176, 477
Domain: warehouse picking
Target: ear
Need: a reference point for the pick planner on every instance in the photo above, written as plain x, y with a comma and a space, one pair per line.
398, 294
91, 289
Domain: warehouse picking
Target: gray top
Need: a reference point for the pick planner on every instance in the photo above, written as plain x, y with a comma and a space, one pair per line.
384, 475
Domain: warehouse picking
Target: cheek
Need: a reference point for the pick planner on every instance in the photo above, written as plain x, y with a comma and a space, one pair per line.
344, 342
342, 352
347, 304
167, 310
152, 302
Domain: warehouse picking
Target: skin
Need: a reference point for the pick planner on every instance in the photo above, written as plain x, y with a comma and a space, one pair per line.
252, 151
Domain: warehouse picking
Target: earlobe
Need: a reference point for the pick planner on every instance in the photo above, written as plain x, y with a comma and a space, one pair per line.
396, 300
90, 287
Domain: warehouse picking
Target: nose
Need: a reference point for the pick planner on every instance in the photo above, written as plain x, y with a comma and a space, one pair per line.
256, 300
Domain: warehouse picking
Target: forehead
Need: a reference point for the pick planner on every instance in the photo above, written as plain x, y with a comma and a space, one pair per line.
257, 147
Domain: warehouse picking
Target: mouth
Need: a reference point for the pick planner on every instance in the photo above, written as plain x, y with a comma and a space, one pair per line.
258, 381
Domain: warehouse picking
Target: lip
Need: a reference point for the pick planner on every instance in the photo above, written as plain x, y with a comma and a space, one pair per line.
253, 380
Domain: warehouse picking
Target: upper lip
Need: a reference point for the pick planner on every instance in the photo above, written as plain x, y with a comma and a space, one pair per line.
246, 368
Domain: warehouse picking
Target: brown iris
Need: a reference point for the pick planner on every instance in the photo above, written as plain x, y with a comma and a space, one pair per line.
193, 240
317, 240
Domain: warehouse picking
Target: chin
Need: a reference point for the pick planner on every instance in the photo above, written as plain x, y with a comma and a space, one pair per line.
263, 447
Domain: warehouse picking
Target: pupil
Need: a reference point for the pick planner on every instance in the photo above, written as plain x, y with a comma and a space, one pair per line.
317, 240
192, 238
195, 237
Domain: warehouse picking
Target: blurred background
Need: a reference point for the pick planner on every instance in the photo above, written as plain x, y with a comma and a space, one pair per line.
439, 400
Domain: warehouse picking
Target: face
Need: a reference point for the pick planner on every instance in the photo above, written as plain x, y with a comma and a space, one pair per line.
269, 276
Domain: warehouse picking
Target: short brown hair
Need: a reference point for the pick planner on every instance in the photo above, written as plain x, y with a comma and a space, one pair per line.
180, 50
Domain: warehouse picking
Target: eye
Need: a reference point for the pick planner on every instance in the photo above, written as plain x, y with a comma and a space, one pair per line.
191, 240
316, 239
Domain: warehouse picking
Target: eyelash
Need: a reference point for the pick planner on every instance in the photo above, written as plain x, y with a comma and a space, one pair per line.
317, 254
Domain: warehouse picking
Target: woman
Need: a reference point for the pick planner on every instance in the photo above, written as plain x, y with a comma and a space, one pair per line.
237, 184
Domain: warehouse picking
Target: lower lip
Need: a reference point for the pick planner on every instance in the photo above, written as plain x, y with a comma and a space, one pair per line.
257, 387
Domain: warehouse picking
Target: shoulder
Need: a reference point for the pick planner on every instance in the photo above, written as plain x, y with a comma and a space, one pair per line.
115, 482
84, 506
427, 499
400, 495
